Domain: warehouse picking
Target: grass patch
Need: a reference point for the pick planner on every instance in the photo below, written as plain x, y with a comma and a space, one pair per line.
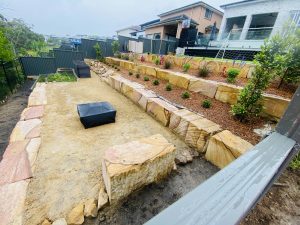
57, 77
295, 164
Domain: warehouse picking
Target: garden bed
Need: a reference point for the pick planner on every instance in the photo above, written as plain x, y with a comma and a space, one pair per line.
218, 112
57, 77
286, 90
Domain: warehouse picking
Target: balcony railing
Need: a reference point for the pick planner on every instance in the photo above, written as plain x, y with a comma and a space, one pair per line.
251, 34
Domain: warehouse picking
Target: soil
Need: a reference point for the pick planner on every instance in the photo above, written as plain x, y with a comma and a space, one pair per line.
219, 112
10, 112
286, 90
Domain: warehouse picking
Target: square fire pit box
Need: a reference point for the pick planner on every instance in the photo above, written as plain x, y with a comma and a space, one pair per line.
96, 114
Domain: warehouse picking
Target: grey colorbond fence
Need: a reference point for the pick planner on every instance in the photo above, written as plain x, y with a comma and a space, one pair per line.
149, 45
65, 58
38, 65
87, 48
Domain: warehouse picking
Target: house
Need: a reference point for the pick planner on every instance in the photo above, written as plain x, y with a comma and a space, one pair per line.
185, 23
246, 24
128, 31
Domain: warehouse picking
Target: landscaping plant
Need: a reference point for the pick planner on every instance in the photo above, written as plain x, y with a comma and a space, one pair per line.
206, 104
146, 79
232, 73
295, 164
61, 77
204, 71
186, 67
156, 82
168, 87
167, 64
115, 45
185, 95
98, 50
137, 75
156, 61
130, 73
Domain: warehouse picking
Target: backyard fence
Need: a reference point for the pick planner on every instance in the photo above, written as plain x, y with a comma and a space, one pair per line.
153, 46
87, 48
11, 76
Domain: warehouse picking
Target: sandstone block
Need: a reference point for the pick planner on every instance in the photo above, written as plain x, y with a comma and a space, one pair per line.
46, 222
228, 93
90, 208
35, 112
128, 167
130, 90
15, 148
179, 79
102, 198
38, 96
145, 96
275, 106
224, 147
32, 151
60, 221
160, 110
180, 119
116, 82
146, 70
163, 74
205, 87
199, 131
75, 217
26, 130
127, 65
12, 199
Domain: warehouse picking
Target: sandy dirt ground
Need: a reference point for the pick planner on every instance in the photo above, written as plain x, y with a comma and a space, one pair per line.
68, 167
10, 113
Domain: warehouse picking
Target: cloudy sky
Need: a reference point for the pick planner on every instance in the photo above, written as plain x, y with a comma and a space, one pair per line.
92, 17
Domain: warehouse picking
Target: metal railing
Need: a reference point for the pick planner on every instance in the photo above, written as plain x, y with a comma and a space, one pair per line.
251, 33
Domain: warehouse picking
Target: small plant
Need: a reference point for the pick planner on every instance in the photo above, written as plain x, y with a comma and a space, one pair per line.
115, 45
118, 55
137, 75
204, 71
232, 73
167, 64
186, 67
155, 82
146, 79
126, 57
206, 104
118, 69
157, 61
130, 73
185, 95
98, 51
143, 59
168, 87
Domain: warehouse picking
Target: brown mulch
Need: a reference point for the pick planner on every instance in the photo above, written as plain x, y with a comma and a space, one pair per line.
218, 113
286, 90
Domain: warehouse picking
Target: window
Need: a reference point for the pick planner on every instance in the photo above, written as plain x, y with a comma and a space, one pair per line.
295, 17
157, 36
208, 14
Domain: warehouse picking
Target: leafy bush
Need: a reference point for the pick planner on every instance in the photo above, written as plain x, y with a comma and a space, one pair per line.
295, 164
186, 67
118, 55
137, 75
169, 87
185, 95
206, 103
125, 57
157, 61
98, 50
42, 78
61, 77
204, 71
167, 64
115, 46
146, 79
155, 82
130, 73
232, 73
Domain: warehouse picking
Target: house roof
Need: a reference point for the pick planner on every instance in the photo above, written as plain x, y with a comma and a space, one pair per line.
135, 28
149, 23
171, 20
201, 3
236, 3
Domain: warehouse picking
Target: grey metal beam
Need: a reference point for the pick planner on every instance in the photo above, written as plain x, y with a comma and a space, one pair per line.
230, 194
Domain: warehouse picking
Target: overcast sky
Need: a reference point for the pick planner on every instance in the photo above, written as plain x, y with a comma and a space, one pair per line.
92, 17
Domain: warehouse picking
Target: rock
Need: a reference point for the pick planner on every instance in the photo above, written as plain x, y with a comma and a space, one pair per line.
163, 74
35, 112
198, 133
131, 166
131, 90
224, 147
183, 157
179, 79
75, 217
228, 93
146, 70
25, 130
32, 151
61, 221
38, 96
160, 110
265, 130
275, 106
205, 87
116, 82
46, 222
102, 198
15, 148
145, 96
180, 120
90, 208
127, 65
12, 199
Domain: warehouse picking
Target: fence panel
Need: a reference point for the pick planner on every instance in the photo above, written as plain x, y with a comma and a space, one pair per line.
38, 65
65, 58
87, 48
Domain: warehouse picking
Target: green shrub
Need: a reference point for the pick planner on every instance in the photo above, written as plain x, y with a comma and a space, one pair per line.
98, 51
126, 57
206, 103
168, 87
295, 164
146, 79
61, 77
118, 55
186, 67
130, 73
204, 71
232, 73
155, 82
137, 75
167, 64
157, 61
42, 78
115, 45
185, 95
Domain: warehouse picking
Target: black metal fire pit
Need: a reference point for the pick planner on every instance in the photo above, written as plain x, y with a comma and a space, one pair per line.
96, 114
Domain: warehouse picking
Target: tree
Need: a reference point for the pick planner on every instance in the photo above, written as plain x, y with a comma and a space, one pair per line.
6, 53
98, 50
115, 46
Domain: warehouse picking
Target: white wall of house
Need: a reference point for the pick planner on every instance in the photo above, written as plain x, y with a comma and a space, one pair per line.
248, 9
125, 32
